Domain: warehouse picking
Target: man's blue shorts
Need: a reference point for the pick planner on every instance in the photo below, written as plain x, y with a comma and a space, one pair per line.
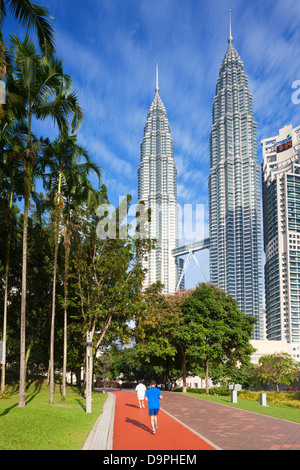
153, 412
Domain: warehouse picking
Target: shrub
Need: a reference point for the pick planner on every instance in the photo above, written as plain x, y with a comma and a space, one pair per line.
221, 391
201, 391
291, 389
289, 398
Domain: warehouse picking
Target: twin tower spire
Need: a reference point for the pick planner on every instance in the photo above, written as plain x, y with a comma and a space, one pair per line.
230, 41
157, 188
156, 88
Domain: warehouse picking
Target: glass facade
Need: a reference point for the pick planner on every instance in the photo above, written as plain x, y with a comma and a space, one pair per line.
234, 192
157, 187
281, 205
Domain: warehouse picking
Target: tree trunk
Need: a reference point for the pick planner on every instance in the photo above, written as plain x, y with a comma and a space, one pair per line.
51, 361
206, 378
184, 362
67, 252
23, 306
6, 296
2, 71
28, 175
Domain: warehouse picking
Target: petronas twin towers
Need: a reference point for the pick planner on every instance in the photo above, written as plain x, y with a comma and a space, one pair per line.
234, 192
157, 187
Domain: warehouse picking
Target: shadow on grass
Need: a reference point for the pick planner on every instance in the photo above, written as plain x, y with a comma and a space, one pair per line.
29, 397
80, 402
7, 410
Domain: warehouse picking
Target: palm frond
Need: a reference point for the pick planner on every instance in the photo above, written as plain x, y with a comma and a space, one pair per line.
34, 18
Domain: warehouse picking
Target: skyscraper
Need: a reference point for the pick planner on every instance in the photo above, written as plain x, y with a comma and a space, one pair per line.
281, 204
157, 187
234, 191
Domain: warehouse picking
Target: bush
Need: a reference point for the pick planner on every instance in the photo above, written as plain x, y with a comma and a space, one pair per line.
249, 395
221, 391
291, 389
201, 391
289, 398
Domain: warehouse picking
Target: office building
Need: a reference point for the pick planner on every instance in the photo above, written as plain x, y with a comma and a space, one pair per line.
281, 210
157, 187
234, 192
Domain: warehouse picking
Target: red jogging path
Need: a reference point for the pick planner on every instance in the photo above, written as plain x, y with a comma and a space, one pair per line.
132, 430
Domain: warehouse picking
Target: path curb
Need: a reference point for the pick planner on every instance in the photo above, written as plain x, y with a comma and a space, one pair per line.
101, 436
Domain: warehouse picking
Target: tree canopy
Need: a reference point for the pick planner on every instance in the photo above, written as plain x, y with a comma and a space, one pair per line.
204, 326
277, 369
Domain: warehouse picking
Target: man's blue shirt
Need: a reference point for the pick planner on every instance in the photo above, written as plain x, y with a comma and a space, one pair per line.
153, 394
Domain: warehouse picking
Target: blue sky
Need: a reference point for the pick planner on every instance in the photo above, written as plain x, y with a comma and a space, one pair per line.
111, 47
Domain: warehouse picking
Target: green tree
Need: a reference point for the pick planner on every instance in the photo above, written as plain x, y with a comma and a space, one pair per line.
203, 325
33, 18
37, 88
67, 185
233, 374
109, 278
157, 331
11, 148
215, 330
40, 245
277, 369
102, 366
129, 365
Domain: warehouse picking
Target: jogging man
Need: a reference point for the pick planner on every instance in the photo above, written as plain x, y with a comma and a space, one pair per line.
153, 395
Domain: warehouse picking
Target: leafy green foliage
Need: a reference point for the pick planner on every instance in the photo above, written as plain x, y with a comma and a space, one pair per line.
276, 369
203, 326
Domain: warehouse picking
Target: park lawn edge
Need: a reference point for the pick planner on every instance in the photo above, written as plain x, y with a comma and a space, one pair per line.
273, 410
65, 425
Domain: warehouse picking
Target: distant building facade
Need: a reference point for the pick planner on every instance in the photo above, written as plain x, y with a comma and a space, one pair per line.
281, 209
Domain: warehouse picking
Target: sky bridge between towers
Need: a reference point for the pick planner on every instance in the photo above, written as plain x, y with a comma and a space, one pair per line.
190, 249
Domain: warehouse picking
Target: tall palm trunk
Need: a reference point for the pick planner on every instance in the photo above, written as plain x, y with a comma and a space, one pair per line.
67, 253
27, 180
28, 175
6, 294
51, 360
2, 71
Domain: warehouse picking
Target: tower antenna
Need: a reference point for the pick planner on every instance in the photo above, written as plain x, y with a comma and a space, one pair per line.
230, 39
157, 89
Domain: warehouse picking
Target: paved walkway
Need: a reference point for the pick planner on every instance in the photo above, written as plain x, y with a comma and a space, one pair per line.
188, 423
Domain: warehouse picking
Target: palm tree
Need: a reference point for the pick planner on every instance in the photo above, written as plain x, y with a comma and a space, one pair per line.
67, 185
37, 88
33, 18
11, 148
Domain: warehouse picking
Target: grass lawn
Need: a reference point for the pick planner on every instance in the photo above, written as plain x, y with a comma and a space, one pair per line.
40, 426
273, 409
